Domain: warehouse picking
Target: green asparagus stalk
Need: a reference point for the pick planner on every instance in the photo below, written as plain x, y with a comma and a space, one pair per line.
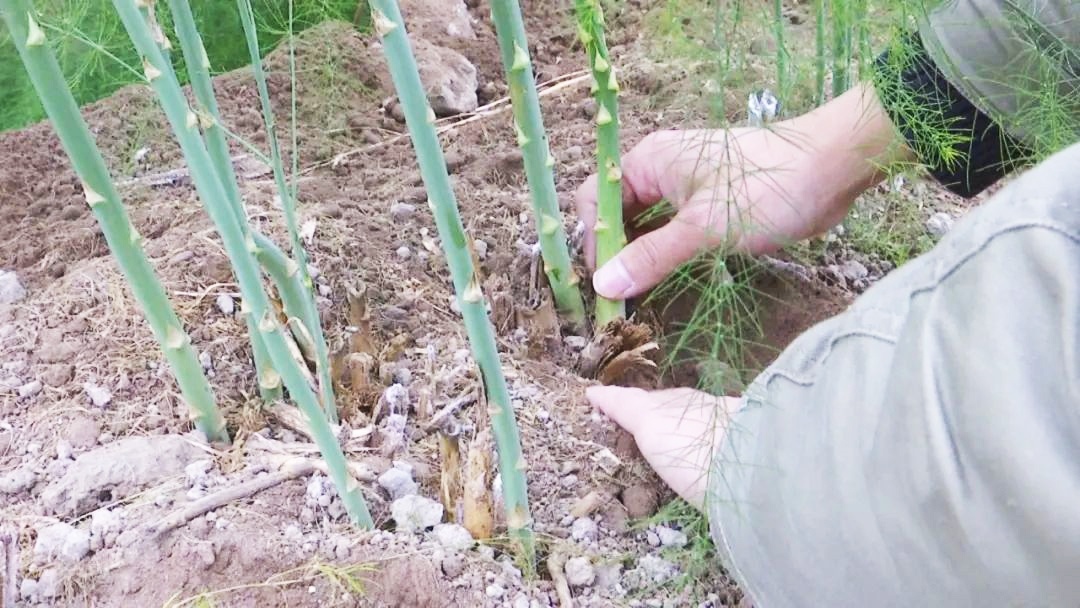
841, 24
819, 51
198, 67
539, 163
124, 241
305, 309
610, 233
185, 125
284, 272
420, 118
781, 50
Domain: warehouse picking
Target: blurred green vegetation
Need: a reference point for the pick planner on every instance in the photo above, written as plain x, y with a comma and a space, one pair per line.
97, 57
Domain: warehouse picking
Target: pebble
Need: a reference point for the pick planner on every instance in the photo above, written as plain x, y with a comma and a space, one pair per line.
495, 591
206, 362
404, 252
402, 211
453, 537
453, 565
83, 432
575, 342
64, 451
182, 257
652, 538
397, 397
22, 478
99, 395
61, 540
197, 471
579, 572
853, 270
48, 584
939, 224
656, 569
583, 530
225, 304
30, 389
481, 247
398, 483
413, 513
293, 534
670, 537
11, 290
521, 601
28, 589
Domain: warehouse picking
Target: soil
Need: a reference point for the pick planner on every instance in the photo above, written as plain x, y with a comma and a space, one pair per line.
291, 544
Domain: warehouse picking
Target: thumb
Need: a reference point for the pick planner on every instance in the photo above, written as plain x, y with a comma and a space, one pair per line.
645, 261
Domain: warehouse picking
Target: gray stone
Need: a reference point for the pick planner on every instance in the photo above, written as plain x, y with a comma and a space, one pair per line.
404, 252
197, 471
11, 290
608, 575
853, 270
99, 395
670, 537
453, 537
583, 529
412, 513
30, 389
22, 478
579, 572
453, 565
495, 591
115, 471
656, 569
28, 590
64, 450
398, 482
449, 79
402, 211
61, 541
939, 224
225, 304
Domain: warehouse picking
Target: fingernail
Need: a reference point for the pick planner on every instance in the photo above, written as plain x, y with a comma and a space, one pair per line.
612, 280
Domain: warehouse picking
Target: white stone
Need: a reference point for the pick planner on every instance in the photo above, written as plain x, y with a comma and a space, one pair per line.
453, 537
402, 211
225, 304
583, 529
99, 395
206, 361
414, 512
397, 397
11, 290
579, 572
197, 471
28, 590
670, 537
656, 569
398, 482
22, 478
939, 224
495, 591
30, 389
64, 451
404, 252
63, 541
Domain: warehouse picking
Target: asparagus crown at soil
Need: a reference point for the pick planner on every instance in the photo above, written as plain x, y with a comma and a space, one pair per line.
419, 118
123, 239
239, 245
539, 163
610, 234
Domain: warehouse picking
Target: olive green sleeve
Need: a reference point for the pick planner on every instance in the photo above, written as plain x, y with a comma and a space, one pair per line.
1016, 60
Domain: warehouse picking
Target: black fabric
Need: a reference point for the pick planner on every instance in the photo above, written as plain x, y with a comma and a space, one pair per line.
925, 106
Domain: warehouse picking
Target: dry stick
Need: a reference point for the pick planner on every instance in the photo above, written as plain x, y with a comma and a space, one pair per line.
555, 565
9, 538
292, 469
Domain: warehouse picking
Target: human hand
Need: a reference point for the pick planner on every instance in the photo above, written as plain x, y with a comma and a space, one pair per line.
751, 189
676, 431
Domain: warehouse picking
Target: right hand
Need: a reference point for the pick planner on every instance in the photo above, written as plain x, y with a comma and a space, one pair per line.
751, 189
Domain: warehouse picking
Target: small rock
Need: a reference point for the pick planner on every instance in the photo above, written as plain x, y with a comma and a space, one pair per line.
670, 537
575, 342
481, 248
105, 526
397, 397
293, 534
588, 108
853, 270
11, 290
579, 572
182, 257
22, 478
404, 252
205, 361
607, 460
453, 537
453, 565
641, 501
64, 450
28, 589
583, 530
83, 432
196, 472
30, 389
402, 211
521, 601
48, 584
574, 153
652, 538
61, 540
398, 483
225, 304
58, 375
449, 78
657, 569
412, 513
608, 575
402, 375
495, 591
99, 395
939, 224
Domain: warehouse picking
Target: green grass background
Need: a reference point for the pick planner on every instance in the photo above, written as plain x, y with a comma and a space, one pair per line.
97, 56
